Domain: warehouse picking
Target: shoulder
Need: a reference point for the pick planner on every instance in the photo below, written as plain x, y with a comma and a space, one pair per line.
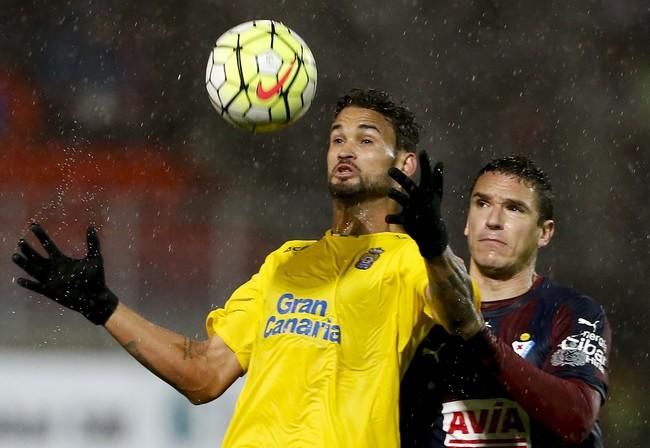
557, 292
290, 248
287, 251
403, 245
293, 246
405, 257
570, 298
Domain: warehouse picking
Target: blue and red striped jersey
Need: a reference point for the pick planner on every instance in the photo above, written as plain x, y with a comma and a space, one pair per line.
450, 399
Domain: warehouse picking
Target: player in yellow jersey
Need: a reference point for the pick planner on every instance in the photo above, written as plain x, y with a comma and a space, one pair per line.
325, 329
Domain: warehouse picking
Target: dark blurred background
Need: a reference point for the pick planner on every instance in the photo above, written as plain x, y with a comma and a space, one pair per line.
104, 119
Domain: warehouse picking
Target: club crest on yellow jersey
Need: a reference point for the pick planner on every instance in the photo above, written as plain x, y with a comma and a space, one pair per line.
367, 259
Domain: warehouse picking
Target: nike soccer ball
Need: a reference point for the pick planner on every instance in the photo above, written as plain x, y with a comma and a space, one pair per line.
261, 76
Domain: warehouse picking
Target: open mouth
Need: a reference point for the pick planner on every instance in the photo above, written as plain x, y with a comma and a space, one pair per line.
345, 170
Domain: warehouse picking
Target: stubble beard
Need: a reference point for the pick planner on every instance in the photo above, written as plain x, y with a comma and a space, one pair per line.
363, 190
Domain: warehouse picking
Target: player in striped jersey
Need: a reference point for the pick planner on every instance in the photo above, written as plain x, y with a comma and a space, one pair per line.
536, 376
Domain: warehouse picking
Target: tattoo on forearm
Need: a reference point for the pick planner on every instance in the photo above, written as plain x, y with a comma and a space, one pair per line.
132, 348
455, 288
451, 287
188, 345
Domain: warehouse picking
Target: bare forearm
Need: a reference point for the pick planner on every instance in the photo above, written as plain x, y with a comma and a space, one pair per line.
453, 298
176, 359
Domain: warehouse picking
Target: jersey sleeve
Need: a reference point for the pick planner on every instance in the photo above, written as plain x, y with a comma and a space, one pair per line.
580, 343
238, 322
415, 312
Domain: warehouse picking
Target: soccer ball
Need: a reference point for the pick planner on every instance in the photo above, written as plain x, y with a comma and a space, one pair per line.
261, 76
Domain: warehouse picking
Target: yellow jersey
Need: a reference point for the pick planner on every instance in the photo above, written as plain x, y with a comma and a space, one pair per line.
325, 331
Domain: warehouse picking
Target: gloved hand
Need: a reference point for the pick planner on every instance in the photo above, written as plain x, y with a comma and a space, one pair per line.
420, 215
77, 284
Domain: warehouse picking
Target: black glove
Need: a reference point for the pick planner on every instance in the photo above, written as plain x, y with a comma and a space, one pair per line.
420, 215
77, 284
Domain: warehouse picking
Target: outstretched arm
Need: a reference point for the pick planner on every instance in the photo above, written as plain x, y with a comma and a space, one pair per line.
449, 284
201, 370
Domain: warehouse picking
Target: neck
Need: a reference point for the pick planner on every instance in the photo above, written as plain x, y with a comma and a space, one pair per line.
495, 287
363, 217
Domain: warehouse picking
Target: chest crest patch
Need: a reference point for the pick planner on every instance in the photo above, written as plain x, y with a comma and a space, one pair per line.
524, 345
368, 259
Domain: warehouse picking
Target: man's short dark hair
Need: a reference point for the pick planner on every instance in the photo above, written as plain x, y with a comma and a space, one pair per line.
407, 131
532, 175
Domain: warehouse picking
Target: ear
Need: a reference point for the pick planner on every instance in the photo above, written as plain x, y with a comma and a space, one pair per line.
466, 229
547, 231
407, 162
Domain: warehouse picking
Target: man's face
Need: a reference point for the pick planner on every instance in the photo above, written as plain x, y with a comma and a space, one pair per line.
503, 229
361, 150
